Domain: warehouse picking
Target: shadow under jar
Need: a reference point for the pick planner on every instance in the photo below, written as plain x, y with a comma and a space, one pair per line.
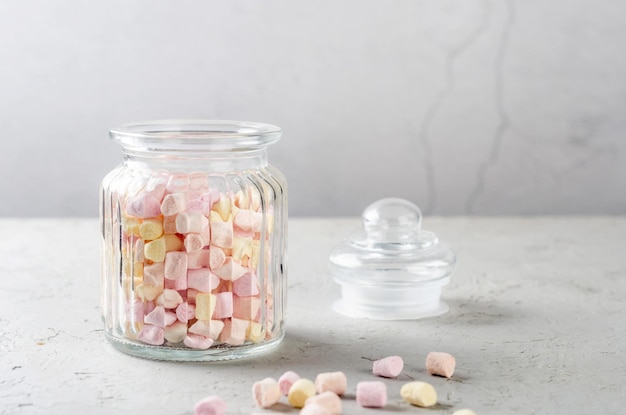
194, 230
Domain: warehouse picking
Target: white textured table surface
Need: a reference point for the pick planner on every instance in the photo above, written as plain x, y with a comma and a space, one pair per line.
537, 324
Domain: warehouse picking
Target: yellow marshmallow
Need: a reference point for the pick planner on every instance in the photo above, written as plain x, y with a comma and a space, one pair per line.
151, 229
419, 394
173, 243
205, 305
242, 246
155, 250
301, 390
255, 332
223, 206
147, 293
131, 224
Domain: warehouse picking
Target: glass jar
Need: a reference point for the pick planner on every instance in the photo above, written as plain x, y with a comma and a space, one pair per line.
194, 232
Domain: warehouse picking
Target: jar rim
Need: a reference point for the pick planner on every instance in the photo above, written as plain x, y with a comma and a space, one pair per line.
195, 134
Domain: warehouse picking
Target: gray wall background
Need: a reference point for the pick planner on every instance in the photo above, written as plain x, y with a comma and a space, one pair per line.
461, 106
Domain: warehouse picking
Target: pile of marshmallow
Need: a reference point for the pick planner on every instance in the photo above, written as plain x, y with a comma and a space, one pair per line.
324, 395
191, 264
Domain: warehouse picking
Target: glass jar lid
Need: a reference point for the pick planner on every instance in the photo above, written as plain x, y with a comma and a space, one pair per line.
190, 135
391, 269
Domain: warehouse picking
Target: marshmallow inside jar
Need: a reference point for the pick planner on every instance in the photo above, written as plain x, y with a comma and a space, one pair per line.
391, 269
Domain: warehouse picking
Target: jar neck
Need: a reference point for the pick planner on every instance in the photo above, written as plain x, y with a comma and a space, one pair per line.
188, 161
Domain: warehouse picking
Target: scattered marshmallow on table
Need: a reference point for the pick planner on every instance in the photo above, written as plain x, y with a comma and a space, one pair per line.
266, 392
464, 411
329, 402
286, 380
440, 363
388, 367
212, 405
331, 381
419, 394
300, 391
371, 394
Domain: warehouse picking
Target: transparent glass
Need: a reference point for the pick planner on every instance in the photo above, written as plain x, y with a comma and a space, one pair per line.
194, 232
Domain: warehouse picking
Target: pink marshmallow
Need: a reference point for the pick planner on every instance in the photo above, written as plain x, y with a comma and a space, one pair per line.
328, 401
199, 259
173, 203
179, 284
195, 341
223, 305
134, 311
194, 242
230, 270
169, 298
202, 280
440, 364
217, 257
185, 312
246, 308
371, 394
265, 392
234, 331
144, 205
156, 317
331, 381
388, 367
246, 286
213, 405
207, 328
153, 275
248, 220
194, 222
175, 265
286, 380
152, 335
222, 233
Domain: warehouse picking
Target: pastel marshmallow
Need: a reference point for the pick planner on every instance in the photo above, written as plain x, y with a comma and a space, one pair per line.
255, 332
195, 341
169, 298
193, 222
144, 205
169, 224
194, 242
286, 380
198, 181
440, 363
314, 409
247, 285
155, 250
329, 401
217, 257
175, 265
246, 307
223, 206
207, 328
148, 293
221, 230
179, 284
266, 392
153, 275
176, 332
371, 394
156, 317
198, 259
139, 244
230, 270
419, 394
248, 220
151, 229
301, 390
223, 305
205, 305
151, 335
172, 243
185, 312
173, 204
212, 405
202, 280
331, 381
464, 411
242, 247
388, 367
234, 331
